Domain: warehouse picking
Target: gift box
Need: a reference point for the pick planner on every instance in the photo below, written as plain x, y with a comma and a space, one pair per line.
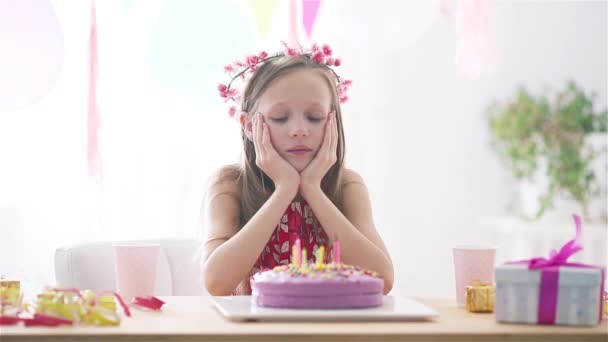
10, 284
551, 290
480, 298
10, 296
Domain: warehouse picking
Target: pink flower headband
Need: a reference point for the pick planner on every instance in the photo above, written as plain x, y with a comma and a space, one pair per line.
241, 70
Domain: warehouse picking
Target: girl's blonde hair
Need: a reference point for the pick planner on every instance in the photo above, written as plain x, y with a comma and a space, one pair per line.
254, 185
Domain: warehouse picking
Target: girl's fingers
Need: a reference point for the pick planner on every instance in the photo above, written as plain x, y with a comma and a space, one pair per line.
326, 137
264, 136
259, 148
334, 132
329, 135
254, 132
258, 132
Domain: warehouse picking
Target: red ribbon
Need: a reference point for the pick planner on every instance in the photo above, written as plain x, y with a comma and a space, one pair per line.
46, 320
120, 301
9, 320
149, 302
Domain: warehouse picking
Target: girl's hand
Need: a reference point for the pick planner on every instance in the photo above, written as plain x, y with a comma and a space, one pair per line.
326, 157
268, 159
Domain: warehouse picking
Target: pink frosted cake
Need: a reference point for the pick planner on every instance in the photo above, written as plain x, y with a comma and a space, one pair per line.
317, 286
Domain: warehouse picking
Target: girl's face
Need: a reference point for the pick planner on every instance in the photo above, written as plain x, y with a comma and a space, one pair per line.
295, 108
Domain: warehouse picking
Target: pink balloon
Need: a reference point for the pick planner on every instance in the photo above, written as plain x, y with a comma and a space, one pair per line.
31, 57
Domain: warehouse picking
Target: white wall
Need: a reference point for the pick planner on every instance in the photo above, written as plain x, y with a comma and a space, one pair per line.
427, 160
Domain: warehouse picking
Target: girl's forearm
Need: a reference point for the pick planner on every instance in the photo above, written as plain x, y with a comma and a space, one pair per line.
356, 248
232, 261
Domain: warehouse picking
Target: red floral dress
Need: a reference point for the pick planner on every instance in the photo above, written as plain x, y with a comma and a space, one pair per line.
298, 221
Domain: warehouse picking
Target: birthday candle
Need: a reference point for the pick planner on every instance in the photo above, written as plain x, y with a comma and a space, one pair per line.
320, 255
337, 252
296, 252
304, 256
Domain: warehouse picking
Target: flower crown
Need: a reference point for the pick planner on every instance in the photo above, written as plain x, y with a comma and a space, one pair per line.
241, 70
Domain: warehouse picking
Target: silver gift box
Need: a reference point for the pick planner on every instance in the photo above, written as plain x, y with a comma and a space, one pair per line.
579, 296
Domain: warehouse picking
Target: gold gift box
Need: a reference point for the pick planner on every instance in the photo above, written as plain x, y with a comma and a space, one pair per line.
10, 296
10, 284
10, 290
480, 298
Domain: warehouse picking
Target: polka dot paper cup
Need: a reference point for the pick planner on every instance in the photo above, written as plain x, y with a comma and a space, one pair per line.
472, 265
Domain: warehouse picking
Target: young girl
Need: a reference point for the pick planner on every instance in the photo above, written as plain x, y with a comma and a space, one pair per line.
291, 183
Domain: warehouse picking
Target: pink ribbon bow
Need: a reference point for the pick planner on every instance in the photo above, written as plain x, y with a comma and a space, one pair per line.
560, 258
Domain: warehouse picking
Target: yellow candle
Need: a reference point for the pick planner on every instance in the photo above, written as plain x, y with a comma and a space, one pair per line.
304, 257
320, 255
296, 253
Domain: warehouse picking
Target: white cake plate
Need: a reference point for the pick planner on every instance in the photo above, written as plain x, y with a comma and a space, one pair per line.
241, 308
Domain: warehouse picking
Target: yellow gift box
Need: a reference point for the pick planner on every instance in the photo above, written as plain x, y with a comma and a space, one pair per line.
10, 296
480, 298
10, 284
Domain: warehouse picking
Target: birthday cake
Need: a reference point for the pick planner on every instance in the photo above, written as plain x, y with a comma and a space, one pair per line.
318, 285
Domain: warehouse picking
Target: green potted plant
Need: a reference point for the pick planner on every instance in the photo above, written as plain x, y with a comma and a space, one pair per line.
555, 143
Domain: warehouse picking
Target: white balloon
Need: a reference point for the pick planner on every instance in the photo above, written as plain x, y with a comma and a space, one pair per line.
31, 52
384, 24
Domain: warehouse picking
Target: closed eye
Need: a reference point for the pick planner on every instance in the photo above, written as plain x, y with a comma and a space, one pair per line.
315, 119
279, 120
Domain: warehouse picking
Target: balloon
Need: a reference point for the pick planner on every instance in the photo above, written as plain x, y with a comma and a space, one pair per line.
384, 24
31, 57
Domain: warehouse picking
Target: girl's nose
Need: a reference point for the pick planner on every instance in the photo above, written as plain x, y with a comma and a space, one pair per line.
299, 129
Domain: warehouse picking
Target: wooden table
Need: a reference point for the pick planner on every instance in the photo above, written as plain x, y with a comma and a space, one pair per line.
194, 319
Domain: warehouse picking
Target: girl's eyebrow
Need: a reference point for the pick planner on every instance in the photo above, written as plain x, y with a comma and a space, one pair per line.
276, 105
316, 104
284, 103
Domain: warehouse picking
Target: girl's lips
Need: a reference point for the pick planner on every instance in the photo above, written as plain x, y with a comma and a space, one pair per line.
299, 149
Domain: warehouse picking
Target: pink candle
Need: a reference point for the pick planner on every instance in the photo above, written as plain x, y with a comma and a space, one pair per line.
337, 252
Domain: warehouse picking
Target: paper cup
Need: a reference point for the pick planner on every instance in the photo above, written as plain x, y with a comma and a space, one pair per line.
472, 264
135, 269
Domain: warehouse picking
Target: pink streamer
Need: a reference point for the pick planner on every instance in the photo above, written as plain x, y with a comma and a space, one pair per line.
293, 26
93, 119
310, 9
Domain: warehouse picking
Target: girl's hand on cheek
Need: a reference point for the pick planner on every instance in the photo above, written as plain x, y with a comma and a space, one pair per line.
325, 158
268, 159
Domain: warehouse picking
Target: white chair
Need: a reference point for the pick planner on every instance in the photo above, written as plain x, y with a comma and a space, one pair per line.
91, 266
